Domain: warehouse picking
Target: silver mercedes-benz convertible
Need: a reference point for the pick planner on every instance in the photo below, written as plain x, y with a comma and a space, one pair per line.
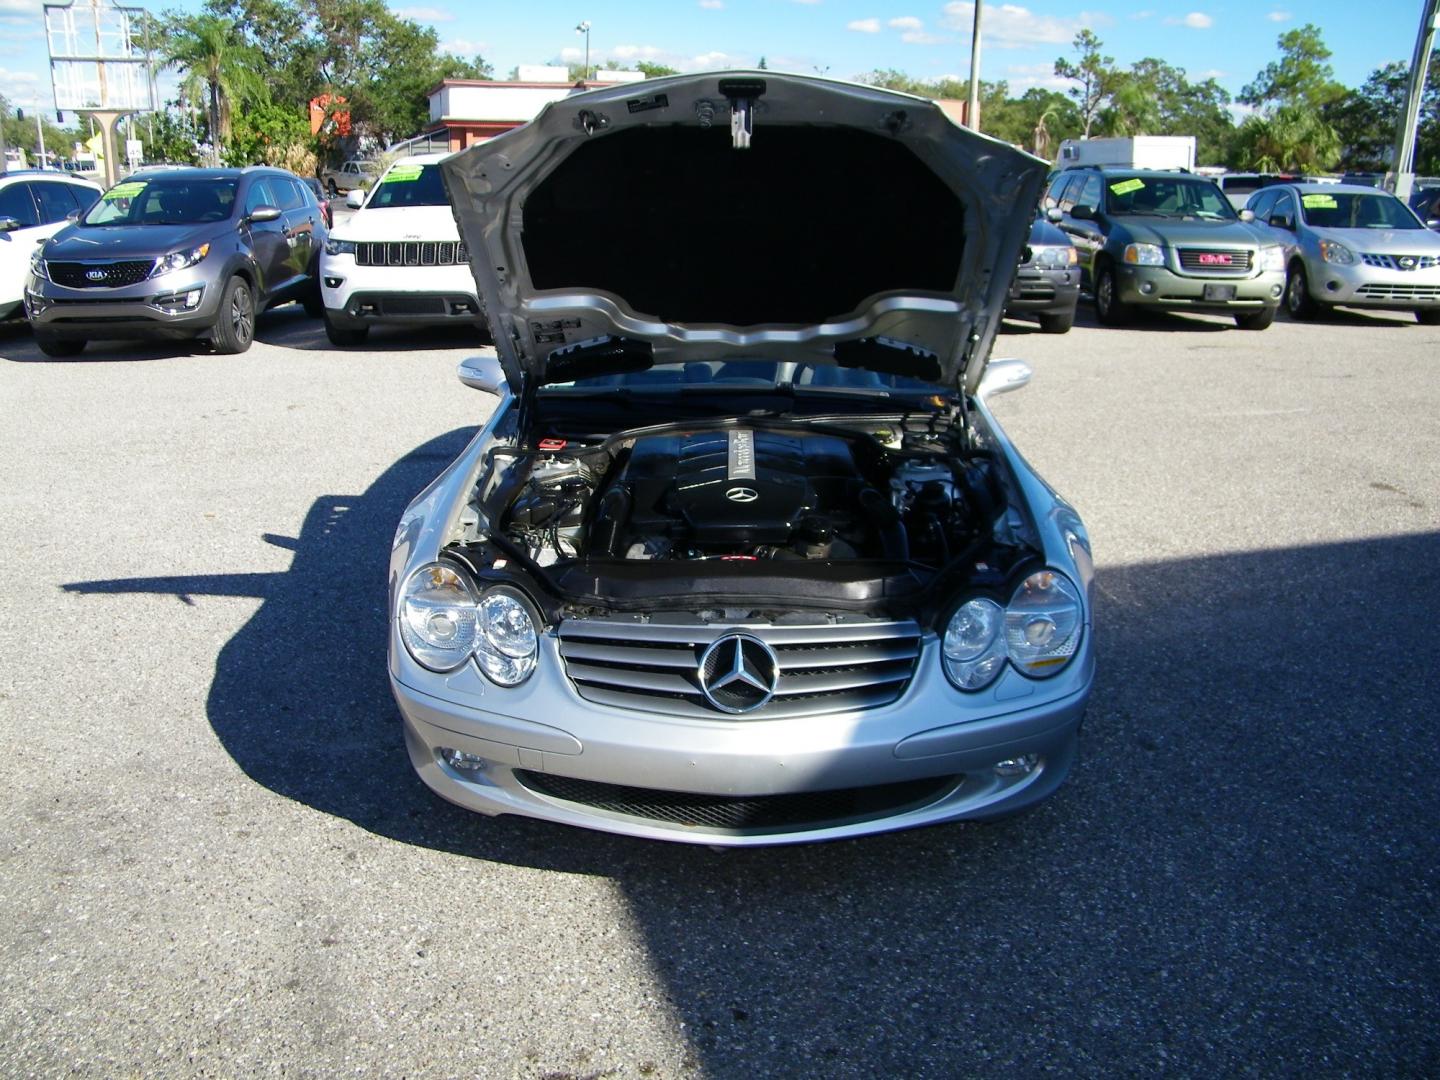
741, 556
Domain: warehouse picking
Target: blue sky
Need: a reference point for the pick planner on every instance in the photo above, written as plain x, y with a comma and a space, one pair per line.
1229, 39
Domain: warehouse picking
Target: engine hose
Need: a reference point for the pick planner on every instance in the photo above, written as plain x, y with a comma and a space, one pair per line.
888, 526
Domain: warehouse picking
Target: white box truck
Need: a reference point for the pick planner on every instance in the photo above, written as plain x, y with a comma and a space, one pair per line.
1135, 152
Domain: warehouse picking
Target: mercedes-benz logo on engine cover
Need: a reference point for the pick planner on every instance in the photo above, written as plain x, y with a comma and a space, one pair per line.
738, 673
742, 494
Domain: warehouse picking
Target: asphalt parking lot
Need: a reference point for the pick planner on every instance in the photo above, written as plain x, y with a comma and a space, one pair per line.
217, 861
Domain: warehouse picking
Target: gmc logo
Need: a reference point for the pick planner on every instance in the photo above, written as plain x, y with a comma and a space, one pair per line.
1212, 259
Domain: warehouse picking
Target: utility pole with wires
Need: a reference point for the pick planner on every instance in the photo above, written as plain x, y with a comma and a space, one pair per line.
972, 106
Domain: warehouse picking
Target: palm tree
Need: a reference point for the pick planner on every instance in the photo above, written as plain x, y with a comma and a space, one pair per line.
217, 67
1288, 138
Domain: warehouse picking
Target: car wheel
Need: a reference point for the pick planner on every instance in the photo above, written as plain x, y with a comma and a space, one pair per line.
1057, 324
1298, 303
1112, 310
1256, 320
312, 302
334, 191
346, 336
1428, 316
235, 327
59, 347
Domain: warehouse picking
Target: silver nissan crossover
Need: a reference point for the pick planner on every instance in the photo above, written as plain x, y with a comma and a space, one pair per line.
741, 556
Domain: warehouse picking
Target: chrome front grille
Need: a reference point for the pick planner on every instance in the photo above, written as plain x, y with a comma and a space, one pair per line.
410, 253
1428, 294
1400, 262
823, 667
1213, 260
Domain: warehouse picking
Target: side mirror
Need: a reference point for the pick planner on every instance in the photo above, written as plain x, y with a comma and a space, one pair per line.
1433, 223
8, 224
1282, 221
1081, 212
355, 199
1247, 215
73, 215
1003, 376
263, 213
1052, 213
482, 373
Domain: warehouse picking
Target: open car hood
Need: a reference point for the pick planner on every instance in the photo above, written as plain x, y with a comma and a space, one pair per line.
634, 225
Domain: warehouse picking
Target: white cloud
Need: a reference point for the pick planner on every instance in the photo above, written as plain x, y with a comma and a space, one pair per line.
635, 52
1196, 20
1009, 26
425, 14
1213, 73
20, 7
712, 5
9, 77
711, 61
569, 54
1142, 14
921, 37
1279, 16
906, 22
463, 46
864, 26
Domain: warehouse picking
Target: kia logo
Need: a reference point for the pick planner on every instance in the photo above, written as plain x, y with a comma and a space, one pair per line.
1215, 260
95, 275
742, 495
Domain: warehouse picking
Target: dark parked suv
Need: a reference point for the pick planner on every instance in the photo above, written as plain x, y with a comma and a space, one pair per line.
178, 253
1167, 240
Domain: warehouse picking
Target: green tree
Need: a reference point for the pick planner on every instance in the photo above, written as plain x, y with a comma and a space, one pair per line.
1366, 119
1302, 75
656, 71
1156, 98
217, 66
1288, 138
1095, 76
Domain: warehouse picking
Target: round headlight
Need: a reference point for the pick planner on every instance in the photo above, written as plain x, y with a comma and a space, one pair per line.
1043, 623
437, 617
507, 644
974, 648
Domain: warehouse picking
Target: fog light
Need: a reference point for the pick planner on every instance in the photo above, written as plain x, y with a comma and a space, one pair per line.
192, 298
1017, 766
1147, 287
459, 759
334, 282
1276, 290
1333, 286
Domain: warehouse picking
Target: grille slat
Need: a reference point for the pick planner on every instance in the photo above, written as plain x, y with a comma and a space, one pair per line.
1429, 294
72, 275
1193, 260
1392, 262
654, 667
742, 814
410, 253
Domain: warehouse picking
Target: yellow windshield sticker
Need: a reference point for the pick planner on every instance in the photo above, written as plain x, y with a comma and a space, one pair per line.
124, 191
403, 173
1319, 202
1124, 187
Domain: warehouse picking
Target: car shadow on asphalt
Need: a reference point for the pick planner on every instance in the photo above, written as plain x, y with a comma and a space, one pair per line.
291, 328
1239, 875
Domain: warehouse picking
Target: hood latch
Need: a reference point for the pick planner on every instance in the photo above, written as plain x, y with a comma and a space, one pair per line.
742, 95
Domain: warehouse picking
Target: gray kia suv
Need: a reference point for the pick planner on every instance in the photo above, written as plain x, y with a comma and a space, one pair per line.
187, 253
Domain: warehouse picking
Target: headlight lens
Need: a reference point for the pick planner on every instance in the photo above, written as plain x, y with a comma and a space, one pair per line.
339, 247
1058, 256
1272, 258
179, 260
508, 644
1144, 254
37, 266
437, 617
974, 648
1333, 252
1042, 623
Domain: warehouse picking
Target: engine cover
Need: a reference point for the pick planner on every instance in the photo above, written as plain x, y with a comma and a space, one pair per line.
739, 486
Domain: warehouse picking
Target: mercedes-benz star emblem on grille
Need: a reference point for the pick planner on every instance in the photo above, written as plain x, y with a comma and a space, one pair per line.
95, 275
742, 494
738, 673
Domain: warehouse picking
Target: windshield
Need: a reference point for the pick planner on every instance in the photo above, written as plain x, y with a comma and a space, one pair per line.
409, 185
1347, 210
1168, 196
165, 201
699, 376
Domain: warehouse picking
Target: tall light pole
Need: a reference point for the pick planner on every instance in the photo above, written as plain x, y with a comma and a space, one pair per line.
584, 28
1414, 91
972, 107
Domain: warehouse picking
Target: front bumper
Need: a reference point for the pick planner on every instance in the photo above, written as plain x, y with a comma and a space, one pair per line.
1043, 292
1160, 286
1372, 286
357, 296
933, 741
152, 309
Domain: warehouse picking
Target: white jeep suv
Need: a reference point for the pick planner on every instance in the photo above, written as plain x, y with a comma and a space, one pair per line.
399, 258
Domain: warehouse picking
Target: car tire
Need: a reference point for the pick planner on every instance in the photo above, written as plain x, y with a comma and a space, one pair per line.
1428, 316
234, 330
1298, 302
1057, 324
1111, 310
59, 348
1256, 320
312, 302
347, 337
